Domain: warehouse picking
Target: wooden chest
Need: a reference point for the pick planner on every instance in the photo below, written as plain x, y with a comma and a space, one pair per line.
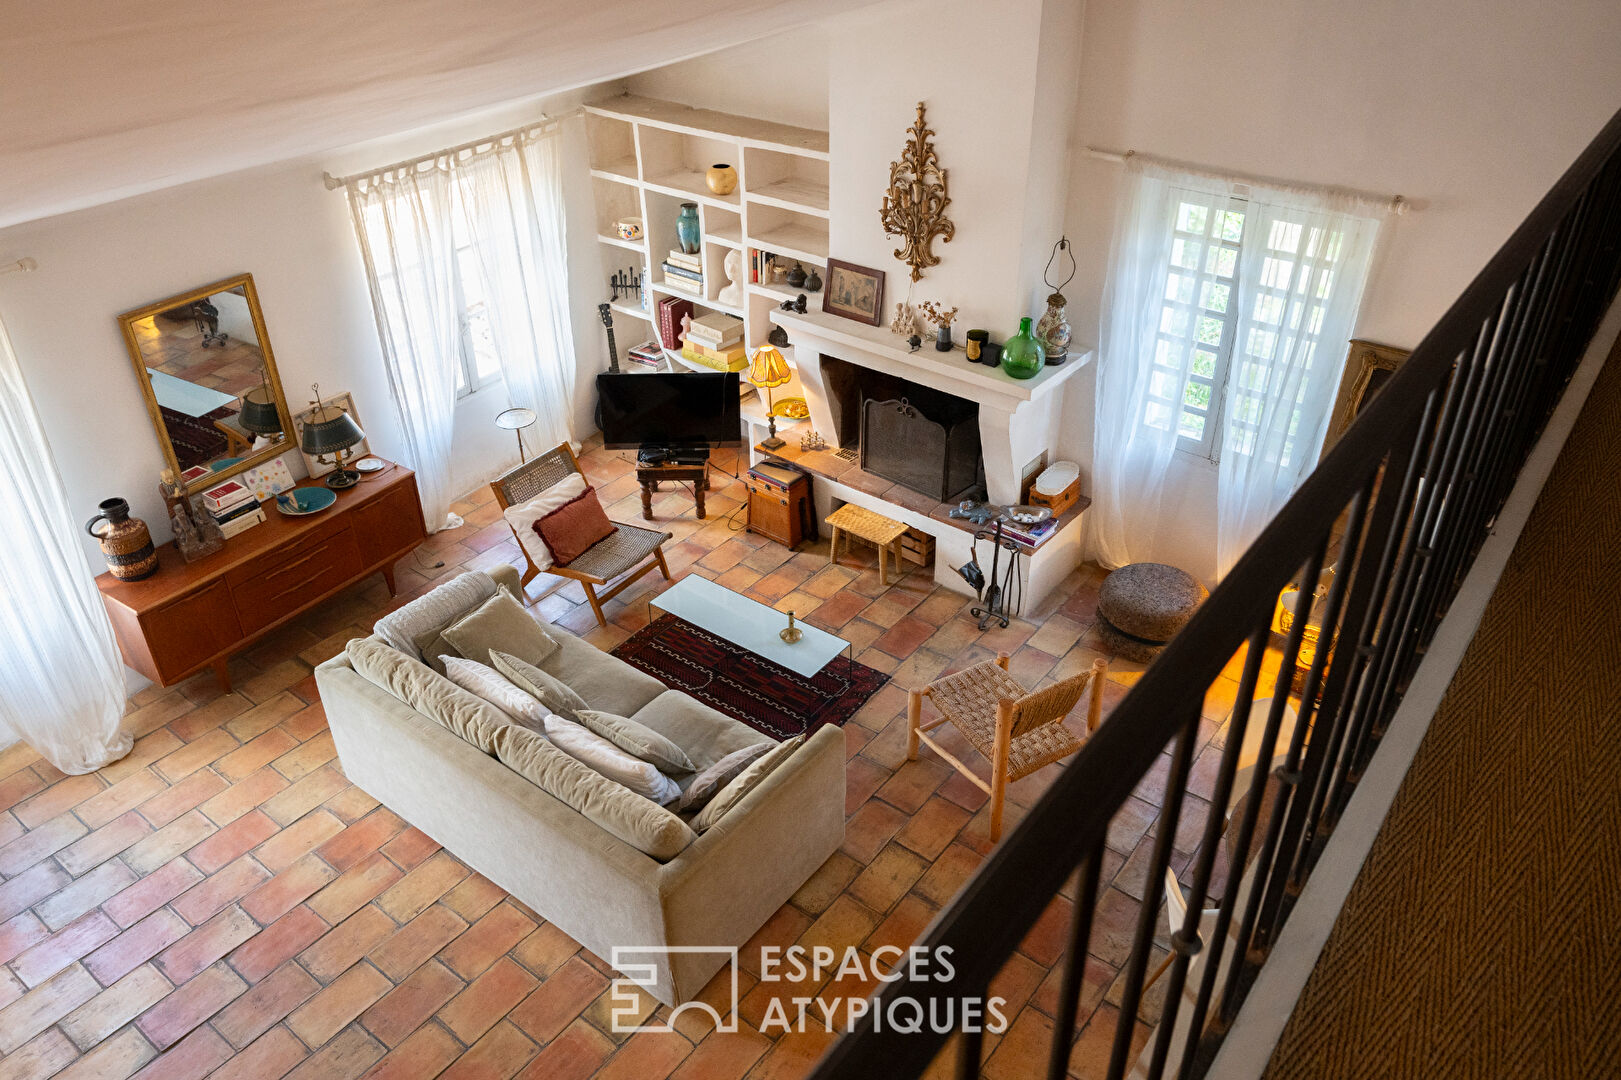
917, 547
779, 504
189, 616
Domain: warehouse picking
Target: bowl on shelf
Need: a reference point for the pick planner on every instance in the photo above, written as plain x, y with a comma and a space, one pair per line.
629, 228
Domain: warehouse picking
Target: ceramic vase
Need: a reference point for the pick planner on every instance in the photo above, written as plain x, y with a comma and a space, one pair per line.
796, 276
813, 281
126, 542
686, 228
1053, 329
942, 339
722, 179
1022, 355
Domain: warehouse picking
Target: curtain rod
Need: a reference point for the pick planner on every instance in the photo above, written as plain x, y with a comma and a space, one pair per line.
333, 183
1397, 204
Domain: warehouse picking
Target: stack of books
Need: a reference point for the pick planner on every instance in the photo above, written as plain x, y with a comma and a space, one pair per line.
762, 266
647, 354
716, 340
1030, 537
671, 310
233, 506
684, 272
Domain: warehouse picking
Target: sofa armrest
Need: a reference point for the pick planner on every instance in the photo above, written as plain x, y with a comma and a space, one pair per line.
508, 576
724, 887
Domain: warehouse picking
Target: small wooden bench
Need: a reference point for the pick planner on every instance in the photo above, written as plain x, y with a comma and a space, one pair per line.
883, 533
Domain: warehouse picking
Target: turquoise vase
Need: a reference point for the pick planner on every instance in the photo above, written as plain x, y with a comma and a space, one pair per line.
686, 227
1022, 355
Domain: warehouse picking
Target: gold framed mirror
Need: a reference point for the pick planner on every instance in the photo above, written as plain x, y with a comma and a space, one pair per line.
204, 363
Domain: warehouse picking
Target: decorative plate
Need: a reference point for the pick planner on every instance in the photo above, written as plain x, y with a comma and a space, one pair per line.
370, 465
794, 408
305, 500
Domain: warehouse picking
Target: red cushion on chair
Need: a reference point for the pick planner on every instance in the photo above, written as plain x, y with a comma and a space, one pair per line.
573, 528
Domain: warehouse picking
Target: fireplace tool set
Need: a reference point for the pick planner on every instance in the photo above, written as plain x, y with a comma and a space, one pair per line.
1003, 591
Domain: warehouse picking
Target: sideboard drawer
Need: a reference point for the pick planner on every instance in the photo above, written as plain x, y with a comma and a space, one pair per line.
291, 583
183, 634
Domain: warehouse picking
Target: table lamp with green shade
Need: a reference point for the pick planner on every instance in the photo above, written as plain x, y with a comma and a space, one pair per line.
768, 369
330, 435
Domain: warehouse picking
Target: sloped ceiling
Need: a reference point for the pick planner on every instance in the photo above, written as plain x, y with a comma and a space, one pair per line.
102, 100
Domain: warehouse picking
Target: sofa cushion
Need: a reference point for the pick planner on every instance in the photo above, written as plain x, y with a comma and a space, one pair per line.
575, 527
420, 622
523, 518
635, 739
498, 690
705, 734
552, 693
606, 682
500, 623
707, 784
428, 692
593, 750
750, 778
639, 822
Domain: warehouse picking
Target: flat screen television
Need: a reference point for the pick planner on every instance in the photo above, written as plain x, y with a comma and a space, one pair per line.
655, 409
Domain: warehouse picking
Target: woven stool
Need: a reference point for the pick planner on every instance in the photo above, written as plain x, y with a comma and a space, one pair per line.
883, 533
1142, 606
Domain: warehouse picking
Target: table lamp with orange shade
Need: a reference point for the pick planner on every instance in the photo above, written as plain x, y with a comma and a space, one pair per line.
769, 369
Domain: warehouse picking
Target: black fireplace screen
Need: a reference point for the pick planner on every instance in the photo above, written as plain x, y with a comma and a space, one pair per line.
934, 452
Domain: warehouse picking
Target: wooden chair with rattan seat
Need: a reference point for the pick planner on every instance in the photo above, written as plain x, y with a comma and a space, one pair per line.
620, 558
1017, 730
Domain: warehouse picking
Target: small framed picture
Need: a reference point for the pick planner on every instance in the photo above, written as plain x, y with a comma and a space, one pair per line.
854, 292
340, 401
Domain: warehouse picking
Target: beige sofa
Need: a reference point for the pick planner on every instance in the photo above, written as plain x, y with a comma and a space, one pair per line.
600, 890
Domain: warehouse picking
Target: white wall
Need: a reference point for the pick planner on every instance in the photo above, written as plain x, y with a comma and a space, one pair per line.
1470, 109
283, 226
782, 77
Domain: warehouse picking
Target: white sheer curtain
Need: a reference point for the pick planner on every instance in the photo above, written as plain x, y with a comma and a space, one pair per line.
512, 204
1306, 259
1227, 314
61, 680
1144, 357
403, 220
501, 206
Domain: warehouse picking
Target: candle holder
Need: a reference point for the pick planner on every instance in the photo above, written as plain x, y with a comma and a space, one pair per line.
791, 633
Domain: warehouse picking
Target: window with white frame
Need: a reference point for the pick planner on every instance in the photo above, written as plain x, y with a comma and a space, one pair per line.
1237, 284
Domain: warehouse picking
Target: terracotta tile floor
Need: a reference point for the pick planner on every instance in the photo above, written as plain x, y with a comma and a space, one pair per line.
222, 902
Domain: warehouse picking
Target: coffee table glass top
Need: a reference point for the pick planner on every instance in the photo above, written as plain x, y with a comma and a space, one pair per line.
748, 624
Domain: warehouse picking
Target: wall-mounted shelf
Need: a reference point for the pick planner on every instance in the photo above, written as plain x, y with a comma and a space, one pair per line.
649, 156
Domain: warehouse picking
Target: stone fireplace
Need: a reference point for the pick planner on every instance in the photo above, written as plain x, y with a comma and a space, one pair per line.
849, 371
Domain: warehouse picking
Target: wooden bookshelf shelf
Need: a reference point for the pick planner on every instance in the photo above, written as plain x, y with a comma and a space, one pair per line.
649, 156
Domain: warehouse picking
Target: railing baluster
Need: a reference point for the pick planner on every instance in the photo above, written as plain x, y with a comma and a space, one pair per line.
1069, 986
1148, 914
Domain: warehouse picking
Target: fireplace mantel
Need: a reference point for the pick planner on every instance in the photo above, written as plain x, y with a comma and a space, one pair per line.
1018, 418
877, 347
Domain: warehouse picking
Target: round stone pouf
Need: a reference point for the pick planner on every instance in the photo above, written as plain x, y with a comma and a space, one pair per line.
1142, 606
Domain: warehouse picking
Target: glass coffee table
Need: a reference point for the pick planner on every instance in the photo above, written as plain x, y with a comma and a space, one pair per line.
748, 624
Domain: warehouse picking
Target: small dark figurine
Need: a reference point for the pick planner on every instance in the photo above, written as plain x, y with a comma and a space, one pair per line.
915, 341
813, 281
799, 303
796, 276
778, 337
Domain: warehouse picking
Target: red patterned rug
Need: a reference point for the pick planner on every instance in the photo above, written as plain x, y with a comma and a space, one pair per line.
727, 677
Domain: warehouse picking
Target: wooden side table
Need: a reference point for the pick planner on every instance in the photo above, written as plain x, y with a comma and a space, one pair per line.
649, 477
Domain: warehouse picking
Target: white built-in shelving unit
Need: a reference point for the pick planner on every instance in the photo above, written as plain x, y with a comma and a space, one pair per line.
650, 156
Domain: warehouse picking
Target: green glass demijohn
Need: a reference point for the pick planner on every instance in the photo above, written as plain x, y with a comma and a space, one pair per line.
1022, 355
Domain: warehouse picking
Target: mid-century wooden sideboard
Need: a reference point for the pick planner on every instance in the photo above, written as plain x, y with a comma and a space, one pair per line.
189, 616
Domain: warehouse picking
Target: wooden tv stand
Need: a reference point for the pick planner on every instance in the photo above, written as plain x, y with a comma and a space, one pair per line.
189, 616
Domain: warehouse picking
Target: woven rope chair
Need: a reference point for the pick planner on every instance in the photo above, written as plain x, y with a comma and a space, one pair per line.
627, 554
1017, 731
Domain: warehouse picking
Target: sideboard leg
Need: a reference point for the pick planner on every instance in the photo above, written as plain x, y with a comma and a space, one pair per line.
222, 674
388, 578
